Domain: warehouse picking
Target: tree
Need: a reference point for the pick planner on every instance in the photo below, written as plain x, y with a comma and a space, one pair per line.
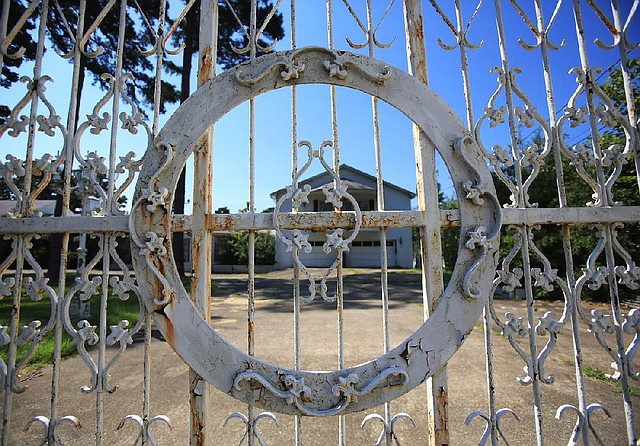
543, 191
265, 248
230, 36
23, 39
141, 88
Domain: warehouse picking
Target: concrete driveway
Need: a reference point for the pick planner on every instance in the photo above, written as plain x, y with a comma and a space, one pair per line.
363, 341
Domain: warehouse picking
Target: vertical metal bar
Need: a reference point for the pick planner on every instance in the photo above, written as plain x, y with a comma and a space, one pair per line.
486, 313
22, 239
200, 391
431, 251
107, 238
13, 335
4, 24
342, 426
296, 269
251, 208
148, 320
384, 287
609, 255
464, 64
566, 230
626, 77
66, 198
526, 261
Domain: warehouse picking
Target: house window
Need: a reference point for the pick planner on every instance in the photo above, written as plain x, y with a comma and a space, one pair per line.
321, 206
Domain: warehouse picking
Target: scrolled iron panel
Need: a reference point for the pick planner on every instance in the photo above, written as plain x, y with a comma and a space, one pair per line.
328, 392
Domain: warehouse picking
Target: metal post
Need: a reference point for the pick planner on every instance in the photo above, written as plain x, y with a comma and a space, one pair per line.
200, 391
431, 251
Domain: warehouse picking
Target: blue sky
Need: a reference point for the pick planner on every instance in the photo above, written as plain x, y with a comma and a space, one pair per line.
273, 125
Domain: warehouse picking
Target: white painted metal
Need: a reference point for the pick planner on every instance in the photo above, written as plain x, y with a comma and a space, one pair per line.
34, 123
202, 347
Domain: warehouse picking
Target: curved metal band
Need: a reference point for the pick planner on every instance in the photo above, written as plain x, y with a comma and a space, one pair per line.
283, 390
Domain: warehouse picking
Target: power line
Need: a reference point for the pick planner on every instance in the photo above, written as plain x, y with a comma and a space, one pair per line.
561, 109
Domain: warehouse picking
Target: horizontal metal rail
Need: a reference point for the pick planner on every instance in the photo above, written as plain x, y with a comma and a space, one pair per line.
328, 220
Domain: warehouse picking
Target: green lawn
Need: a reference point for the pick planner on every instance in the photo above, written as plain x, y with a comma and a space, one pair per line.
117, 310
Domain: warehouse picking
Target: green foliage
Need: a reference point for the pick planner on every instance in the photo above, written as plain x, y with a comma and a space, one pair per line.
265, 248
9, 74
30, 310
544, 192
597, 374
449, 237
141, 88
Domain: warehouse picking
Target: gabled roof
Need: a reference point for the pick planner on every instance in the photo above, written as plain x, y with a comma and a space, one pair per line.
351, 183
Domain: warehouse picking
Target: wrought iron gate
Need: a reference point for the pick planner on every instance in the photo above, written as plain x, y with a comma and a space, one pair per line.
495, 178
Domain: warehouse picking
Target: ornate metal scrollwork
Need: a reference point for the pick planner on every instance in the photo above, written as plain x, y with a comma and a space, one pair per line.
298, 242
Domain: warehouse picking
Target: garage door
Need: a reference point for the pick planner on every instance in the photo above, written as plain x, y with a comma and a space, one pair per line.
367, 254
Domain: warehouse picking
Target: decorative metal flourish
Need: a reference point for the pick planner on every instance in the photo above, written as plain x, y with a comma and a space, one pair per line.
459, 33
145, 434
11, 35
251, 427
487, 430
541, 35
121, 334
499, 158
628, 275
613, 157
46, 422
631, 325
153, 245
582, 419
370, 34
477, 241
91, 29
5, 339
131, 166
546, 278
337, 67
345, 388
512, 326
85, 334
34, 333
602, 323
619, 34
245, 49
299, 241
388, 433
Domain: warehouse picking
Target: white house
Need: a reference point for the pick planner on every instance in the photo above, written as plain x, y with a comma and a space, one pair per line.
365, 249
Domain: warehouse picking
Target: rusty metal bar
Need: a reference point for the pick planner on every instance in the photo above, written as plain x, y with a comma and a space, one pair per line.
524, 233
22, 242
146, 385
335, 138
108, 239
251, 209
66, 197
346, 219
200, 391
294, 181
430, 249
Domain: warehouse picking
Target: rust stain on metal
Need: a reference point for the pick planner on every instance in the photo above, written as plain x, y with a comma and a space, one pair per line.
197, 424
442, 432
206, 63
228, 222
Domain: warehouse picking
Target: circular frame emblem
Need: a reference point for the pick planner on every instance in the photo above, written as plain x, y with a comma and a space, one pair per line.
266, 385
